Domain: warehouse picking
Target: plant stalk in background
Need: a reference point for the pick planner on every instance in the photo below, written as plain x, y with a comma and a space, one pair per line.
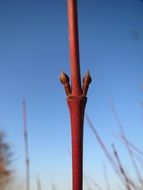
76, 96
26, 145
38, 183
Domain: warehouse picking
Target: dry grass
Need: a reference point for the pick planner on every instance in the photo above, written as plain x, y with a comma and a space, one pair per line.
135, 155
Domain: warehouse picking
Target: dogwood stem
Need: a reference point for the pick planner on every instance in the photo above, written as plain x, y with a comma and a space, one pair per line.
76, 97
74, 47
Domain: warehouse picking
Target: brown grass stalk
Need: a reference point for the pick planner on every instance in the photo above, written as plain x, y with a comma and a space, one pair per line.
134, 148
136, 152
126, 143
106, 178
26, 145
121, 168
96, 185
39, 187
105, 150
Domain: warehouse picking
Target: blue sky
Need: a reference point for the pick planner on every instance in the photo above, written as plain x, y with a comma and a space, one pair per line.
34, 51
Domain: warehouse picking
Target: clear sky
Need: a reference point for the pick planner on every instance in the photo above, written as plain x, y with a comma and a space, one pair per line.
34, 51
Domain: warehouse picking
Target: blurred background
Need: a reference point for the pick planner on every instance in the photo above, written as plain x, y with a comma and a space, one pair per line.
34, 51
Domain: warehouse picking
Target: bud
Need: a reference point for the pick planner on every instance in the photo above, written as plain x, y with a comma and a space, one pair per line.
64, 78
65, 81
86, 81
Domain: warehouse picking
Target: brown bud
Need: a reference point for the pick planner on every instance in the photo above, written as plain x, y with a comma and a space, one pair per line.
65, 81
64, 78
86, 81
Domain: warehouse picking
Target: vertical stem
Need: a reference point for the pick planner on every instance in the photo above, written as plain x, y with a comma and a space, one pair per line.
26, 145
77, 107
76, 97
74, 47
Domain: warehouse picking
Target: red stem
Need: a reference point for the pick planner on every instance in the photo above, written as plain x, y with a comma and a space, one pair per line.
76, 97
77, 107
74, 47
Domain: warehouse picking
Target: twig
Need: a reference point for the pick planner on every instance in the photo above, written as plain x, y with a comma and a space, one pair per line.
126, 143
76, 96
121, 168
137, 153
106, 177
105, 150
26, 145
135, 148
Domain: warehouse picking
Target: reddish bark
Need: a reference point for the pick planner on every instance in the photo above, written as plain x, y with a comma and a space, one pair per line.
77, 107
76, 97
74, 47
